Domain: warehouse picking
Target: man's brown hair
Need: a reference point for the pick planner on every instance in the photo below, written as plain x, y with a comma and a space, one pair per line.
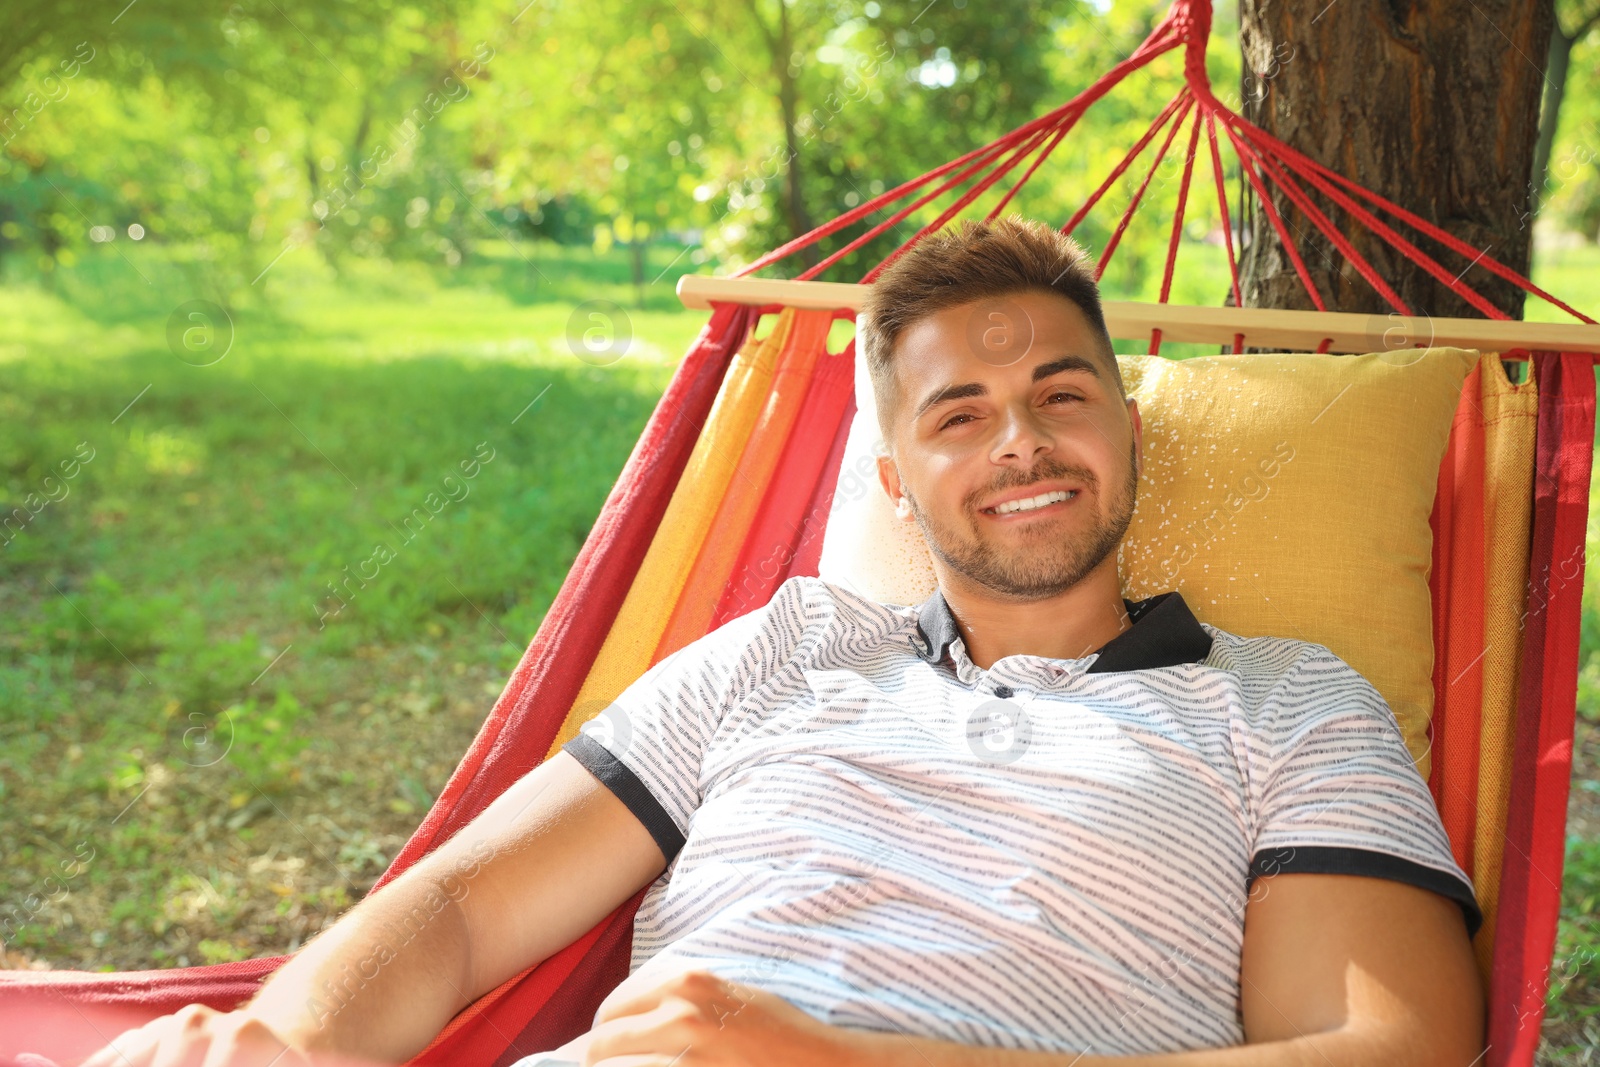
979, 260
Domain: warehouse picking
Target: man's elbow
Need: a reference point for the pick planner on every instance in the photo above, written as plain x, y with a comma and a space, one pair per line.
1454, 1035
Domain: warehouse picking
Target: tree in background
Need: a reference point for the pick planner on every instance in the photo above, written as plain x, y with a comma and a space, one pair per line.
778, 115
1430, 105
935, 68
1583, 18
238, 136
174, 115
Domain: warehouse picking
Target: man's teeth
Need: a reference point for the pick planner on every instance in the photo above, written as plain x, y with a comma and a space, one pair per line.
1033, 502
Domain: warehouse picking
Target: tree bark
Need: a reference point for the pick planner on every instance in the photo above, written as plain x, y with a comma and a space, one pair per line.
1429, 103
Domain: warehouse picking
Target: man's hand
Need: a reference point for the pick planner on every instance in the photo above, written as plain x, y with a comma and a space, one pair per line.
198, 1034
699, 1020
1337, 971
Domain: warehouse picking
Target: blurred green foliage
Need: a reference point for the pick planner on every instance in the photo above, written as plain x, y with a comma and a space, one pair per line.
243, 135
418, 130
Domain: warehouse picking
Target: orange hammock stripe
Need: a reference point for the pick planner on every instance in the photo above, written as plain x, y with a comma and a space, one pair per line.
640, 623
786, 532
1458, 653
750, 485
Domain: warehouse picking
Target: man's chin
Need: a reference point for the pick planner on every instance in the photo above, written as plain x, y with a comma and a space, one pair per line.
1024, 579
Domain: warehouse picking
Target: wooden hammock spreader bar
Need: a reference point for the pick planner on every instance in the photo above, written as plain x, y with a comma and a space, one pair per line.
1289, 331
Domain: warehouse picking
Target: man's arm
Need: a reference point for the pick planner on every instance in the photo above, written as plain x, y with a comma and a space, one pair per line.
1383, 965
1337, 971
548, 859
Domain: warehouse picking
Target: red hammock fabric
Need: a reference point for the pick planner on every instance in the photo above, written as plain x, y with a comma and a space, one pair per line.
1546, 707
1458, 625
1530, 878
67, 1014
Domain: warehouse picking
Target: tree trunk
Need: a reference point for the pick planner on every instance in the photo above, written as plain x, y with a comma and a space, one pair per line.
1555, 88
313, 177
1430, 104
637, 247
789, 103
358, 144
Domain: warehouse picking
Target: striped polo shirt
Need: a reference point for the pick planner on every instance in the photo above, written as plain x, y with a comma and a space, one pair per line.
1050, 855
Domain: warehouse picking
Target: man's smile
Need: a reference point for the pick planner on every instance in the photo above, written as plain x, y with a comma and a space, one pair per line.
1031, 501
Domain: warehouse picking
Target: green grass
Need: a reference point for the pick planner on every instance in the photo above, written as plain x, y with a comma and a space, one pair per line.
1572, 1003
1573, 275
174, 703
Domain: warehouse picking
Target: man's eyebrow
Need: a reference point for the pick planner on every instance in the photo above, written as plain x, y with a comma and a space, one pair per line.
971, 389
1065, 363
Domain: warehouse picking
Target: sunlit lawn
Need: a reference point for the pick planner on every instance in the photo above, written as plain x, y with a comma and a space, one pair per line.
184, 699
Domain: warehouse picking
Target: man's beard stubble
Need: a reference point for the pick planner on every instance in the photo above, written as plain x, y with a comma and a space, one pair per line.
1057, 563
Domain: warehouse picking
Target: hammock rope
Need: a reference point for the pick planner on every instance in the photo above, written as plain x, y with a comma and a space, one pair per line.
1265, 162
1227, 225
1184, 102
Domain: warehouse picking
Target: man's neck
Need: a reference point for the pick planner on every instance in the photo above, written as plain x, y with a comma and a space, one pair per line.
1071, 625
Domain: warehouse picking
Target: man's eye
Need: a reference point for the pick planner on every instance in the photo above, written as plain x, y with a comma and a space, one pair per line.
1067, 396
951, 421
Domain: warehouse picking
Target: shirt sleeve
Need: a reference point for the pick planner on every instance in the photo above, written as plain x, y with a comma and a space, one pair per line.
647, 747
1341, 794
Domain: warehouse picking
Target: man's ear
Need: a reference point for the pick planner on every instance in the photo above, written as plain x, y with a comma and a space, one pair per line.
889, 478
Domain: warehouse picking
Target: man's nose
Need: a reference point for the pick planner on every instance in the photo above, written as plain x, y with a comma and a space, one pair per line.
1020, 438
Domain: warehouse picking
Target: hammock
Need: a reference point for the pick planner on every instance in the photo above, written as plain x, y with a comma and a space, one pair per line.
727, 495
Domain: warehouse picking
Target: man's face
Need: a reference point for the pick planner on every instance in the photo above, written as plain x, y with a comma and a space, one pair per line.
1011, 448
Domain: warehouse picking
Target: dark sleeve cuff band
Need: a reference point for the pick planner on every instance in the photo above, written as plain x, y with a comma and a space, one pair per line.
1299, 859
1324, 859
615, 776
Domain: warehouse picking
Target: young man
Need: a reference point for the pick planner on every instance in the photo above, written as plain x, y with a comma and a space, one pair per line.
1025, 823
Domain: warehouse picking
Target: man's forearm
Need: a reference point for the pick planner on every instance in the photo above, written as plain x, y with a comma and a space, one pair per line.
383, 980
1332, 1048
729, 1022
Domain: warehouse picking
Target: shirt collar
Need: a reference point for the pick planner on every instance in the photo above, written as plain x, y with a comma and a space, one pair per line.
1164, 633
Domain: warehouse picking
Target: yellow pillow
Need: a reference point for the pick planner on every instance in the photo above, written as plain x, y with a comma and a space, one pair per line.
1288, 495
1282, 495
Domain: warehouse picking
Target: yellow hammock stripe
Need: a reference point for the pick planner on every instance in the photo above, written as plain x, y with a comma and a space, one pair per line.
1511, 418
752, 479
640, 623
